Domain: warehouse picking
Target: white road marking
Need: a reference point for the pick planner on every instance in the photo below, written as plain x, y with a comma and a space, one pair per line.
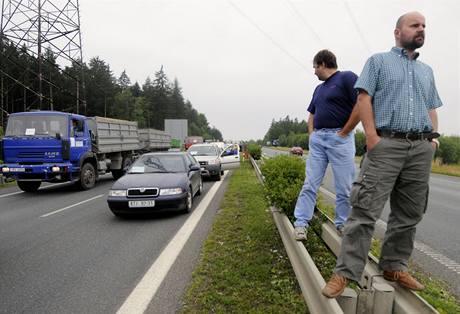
444, 260
70, 206
9, 194
144, 292
440, 258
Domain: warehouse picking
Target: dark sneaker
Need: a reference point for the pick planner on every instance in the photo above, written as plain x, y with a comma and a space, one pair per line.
404, 279
300, 233
340, 230
335, 286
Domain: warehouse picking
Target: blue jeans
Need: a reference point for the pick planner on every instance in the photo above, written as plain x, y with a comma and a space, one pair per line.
325, 147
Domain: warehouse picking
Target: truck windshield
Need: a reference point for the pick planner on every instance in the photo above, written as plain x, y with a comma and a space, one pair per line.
36, 125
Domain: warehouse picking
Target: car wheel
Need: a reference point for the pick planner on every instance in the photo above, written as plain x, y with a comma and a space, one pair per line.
200, 188
217, 176
188, 202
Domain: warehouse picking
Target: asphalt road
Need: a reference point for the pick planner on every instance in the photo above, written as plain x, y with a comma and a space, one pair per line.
438, 248
83, 259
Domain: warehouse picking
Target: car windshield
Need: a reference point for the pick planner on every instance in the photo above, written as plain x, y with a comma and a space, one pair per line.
203, 151
158, 163
36, 125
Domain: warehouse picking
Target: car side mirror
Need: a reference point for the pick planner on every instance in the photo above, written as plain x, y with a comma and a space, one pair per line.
194, 167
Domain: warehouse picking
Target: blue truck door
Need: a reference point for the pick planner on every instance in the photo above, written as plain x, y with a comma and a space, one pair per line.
79, 139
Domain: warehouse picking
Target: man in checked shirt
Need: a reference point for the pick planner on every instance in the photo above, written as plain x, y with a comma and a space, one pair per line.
397, 106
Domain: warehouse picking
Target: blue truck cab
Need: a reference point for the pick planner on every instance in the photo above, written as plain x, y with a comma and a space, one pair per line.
49, 146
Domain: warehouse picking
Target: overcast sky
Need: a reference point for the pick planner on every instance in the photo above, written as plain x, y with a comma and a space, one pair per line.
245, 62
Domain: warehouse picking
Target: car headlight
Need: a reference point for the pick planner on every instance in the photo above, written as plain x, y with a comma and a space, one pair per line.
117, 193
173, 191
5, 169
214, 162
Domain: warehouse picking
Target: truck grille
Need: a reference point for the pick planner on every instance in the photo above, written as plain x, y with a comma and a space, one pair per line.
31, 155
143, 192
203, 163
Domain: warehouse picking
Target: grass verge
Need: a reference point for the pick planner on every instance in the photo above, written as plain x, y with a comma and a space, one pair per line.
7, 184
243, 266
450, 170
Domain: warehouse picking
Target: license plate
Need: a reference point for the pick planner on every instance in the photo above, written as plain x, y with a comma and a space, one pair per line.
134, 204
17, 169
203, 169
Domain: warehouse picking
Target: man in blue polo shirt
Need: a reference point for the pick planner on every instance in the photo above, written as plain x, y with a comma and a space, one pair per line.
397, 105
330, 125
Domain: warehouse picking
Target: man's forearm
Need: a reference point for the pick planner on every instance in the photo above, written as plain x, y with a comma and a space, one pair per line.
434, 119
366, 114
310, 124
353, 120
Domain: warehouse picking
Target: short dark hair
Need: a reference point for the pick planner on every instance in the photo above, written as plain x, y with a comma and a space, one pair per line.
327, 58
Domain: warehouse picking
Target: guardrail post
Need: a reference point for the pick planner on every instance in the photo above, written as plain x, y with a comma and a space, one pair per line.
365, 301
384, 295
348, 300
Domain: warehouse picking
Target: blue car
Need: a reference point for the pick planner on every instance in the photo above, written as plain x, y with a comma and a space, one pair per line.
156, 182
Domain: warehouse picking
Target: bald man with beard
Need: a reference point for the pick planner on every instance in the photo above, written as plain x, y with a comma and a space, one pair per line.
397, 104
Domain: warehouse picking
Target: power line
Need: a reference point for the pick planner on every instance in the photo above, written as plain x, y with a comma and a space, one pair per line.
274, 42
357, 27
305, 22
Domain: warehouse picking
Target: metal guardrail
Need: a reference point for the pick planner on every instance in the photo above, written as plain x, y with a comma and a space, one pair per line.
403, 301
310, 280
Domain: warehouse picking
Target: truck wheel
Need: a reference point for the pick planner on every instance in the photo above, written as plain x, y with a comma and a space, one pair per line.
117, 174
29, 186
87, 177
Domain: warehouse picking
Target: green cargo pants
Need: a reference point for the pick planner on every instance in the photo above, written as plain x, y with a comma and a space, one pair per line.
395, 168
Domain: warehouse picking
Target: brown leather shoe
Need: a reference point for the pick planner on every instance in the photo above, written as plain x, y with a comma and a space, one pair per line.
404, 279
335, 286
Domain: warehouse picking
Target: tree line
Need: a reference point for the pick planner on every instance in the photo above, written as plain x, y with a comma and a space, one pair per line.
291, 132
106, 95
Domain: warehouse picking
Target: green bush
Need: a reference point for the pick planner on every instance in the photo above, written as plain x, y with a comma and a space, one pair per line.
284, 176
294, 139
360, 142
449, 149
255, 151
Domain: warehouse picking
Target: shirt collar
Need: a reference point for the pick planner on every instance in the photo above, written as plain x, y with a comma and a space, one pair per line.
403, 52
333, 74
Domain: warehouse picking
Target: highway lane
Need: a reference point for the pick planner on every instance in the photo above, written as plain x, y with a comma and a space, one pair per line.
83, 259
438, 230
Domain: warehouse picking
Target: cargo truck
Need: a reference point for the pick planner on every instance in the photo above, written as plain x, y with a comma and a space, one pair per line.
52, 146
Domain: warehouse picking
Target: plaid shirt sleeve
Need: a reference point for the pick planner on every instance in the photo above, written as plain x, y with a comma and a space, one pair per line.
434, 101
368, 79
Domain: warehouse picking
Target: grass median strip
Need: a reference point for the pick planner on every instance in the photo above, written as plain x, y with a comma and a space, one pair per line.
244, 267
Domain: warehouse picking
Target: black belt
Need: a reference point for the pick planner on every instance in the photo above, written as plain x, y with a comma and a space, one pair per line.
408, 135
